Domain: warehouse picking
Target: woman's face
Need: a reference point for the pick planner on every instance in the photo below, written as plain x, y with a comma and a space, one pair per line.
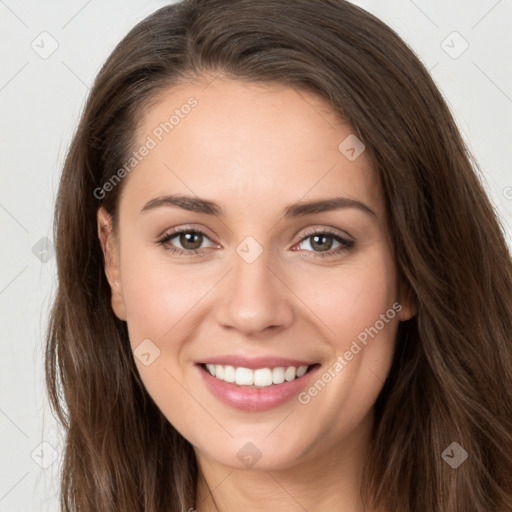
275, 284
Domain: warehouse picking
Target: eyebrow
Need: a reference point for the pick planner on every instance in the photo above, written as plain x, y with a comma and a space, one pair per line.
196, 204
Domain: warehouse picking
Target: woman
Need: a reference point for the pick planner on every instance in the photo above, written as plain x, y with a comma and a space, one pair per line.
281, 283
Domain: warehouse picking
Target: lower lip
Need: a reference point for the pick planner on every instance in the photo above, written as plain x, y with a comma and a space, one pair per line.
255, 399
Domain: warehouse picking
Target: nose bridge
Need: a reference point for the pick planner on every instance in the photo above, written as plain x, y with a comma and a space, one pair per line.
254, 299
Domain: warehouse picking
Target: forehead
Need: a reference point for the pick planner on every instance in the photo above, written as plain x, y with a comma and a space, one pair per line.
233, 139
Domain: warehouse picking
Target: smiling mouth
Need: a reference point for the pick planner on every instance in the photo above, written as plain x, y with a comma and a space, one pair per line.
257, 378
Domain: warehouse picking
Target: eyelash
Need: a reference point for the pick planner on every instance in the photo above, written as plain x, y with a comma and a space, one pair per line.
346, 244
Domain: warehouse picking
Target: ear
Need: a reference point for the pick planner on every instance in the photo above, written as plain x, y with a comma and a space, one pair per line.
407, 301
109, 245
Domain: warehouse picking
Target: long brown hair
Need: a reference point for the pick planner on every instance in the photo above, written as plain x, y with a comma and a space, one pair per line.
451, 378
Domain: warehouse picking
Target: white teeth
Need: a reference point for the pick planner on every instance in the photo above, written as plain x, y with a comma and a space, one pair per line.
301, 370
289, 374
262, 377
219, 371
229, 374
278, 375
244, 377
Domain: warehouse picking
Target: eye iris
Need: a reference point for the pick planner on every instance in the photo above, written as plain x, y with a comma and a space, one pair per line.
189, 240
323, 245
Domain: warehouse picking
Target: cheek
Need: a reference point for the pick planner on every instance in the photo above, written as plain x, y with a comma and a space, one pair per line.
158, 295
357, 306
161, 301
352, 297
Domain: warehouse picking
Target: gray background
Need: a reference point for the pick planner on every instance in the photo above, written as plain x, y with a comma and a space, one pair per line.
41, 96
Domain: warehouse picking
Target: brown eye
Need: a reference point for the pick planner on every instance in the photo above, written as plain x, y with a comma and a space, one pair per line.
321, 242
324, 243
190, 240
186, 242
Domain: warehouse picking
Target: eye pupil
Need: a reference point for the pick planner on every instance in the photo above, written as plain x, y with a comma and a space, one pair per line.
323, 245
190, 238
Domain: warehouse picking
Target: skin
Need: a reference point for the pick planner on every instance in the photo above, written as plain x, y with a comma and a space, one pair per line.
255, 149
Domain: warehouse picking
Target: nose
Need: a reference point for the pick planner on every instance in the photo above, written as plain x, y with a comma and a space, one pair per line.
254, 298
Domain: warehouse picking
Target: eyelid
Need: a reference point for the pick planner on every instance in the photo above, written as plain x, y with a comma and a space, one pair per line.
174, 232
327, 230
198, 228
346, 242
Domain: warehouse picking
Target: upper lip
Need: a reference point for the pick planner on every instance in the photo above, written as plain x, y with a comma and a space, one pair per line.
254, 363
